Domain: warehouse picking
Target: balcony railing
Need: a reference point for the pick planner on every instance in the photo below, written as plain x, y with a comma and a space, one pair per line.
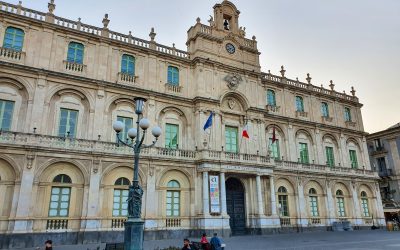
173, 222
74, 67
273, 108
385, 173
350, 124
11, 55
315, 221
326, 119
118, 222
17, 139
126, 78
173, 88
285, 222
57, 224
301, 114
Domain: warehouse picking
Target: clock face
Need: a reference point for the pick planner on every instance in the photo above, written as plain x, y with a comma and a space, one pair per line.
230, 48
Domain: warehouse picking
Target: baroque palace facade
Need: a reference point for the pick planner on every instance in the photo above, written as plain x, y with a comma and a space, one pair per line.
63, 83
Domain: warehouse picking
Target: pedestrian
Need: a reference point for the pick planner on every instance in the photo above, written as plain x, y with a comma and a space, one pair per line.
204, 242
48, 245
186, 245
215, 242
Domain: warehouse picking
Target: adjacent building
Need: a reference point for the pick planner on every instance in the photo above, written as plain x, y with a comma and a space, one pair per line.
384, 151
63, 83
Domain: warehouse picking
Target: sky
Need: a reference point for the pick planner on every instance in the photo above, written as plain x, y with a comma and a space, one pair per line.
352, 42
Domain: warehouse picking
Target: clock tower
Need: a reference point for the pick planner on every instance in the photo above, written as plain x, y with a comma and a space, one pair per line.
223, 40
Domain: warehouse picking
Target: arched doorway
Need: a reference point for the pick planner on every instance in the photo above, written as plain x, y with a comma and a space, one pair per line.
235, 206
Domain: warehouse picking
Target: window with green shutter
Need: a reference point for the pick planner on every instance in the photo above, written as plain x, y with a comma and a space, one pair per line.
60, 196
128, 65
364, 204
173, 199
271, 98
231, 139
283, 202
330, 158
313, 202
13, 38
353, 158
299, 104
274, 148
6, 113
120, 200
68, 122
171, 136
340, 204
347, 114
324, 109
173, 75
304, 153
128, 122
75, 52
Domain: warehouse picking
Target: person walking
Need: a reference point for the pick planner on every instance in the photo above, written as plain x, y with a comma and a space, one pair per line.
48, 245
215, 242
186, 245
204, 242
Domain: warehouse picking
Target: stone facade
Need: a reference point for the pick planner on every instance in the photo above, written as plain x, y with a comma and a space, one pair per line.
384, 151
220, 73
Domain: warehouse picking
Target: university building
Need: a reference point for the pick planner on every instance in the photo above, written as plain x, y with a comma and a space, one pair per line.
63, 83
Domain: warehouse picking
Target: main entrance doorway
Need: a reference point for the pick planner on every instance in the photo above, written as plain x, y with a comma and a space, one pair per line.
235, 206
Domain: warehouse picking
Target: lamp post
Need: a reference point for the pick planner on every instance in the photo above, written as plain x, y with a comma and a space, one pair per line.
133, 237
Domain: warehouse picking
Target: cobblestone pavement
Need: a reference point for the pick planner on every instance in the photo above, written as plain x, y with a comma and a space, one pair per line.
364, 239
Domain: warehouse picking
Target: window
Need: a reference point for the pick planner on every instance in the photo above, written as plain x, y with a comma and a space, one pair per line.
283, 201
364, 204
304, 153
330, 158
173, 75
378, 144
325, 109
120, 201
299, 104
271, 98
381, 163
173, 199
60, 196
274, 147
128, 65
6, 111
313, 202
128, 124
231, 139
68, 122
171, 136
340, 203
347, 114
353, 158
13, 38
75, 52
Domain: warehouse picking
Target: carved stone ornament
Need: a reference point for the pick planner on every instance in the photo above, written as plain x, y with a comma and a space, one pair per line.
233, 80
135, 200
231, 103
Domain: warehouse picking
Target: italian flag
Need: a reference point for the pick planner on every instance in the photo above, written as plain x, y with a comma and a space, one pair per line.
244, 133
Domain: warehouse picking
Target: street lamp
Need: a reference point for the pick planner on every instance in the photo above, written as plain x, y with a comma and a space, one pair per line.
133, 238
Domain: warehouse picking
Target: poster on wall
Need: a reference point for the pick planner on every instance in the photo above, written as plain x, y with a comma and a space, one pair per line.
214, 194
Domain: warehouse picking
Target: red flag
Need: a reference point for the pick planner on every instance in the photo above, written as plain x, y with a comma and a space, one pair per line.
244, 133
273, 135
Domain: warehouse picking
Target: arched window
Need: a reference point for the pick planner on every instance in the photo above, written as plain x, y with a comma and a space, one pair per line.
13, 38
171, 135
283, 201
68, 122
313, 202
271, 98
60, 196
347, 114
299, 104
6, 112
364, 204
75, 52
128, 65
274, 148
173, 75
340, 203
353, 158
324, 109
173, 199
120, 201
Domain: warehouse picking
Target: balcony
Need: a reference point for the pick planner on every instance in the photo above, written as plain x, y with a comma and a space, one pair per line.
173, 88
350, 124
379, 150
301, 114
385, 173
11, 55
273, 108
126, 78
74, 67
326, 119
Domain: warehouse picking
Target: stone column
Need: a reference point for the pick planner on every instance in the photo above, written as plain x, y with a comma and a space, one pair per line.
93, 200
223, 194
206, 203
330, 204
356, 204
379, 207
320, 159
273, 201
22, 224
301, 202
343, 152
259, 196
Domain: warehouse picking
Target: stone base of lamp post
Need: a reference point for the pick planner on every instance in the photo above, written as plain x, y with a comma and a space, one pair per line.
134, 228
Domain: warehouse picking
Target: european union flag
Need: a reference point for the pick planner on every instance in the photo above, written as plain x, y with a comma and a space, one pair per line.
208, 122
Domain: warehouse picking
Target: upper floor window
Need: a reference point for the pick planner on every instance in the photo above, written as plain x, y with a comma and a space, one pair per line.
60, 196
347, 114
271, 98
381, 163
75, 52
68, 122
13, 38
378, 144
353, 158
173, 198
274, 148
173, 75
128, 122
6, 112
171, 136
324, 109
304, 153
330, 158
128, 65
231, 139
299, 104
120, 201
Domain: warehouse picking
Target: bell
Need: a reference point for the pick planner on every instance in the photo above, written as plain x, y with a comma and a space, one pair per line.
226, 25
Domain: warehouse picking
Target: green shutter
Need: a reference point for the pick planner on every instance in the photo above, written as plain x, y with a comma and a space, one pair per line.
274, 148
6, 113
304, 153
231, 139
171, 136
330, 159
353, 158
68, 122
128, 122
